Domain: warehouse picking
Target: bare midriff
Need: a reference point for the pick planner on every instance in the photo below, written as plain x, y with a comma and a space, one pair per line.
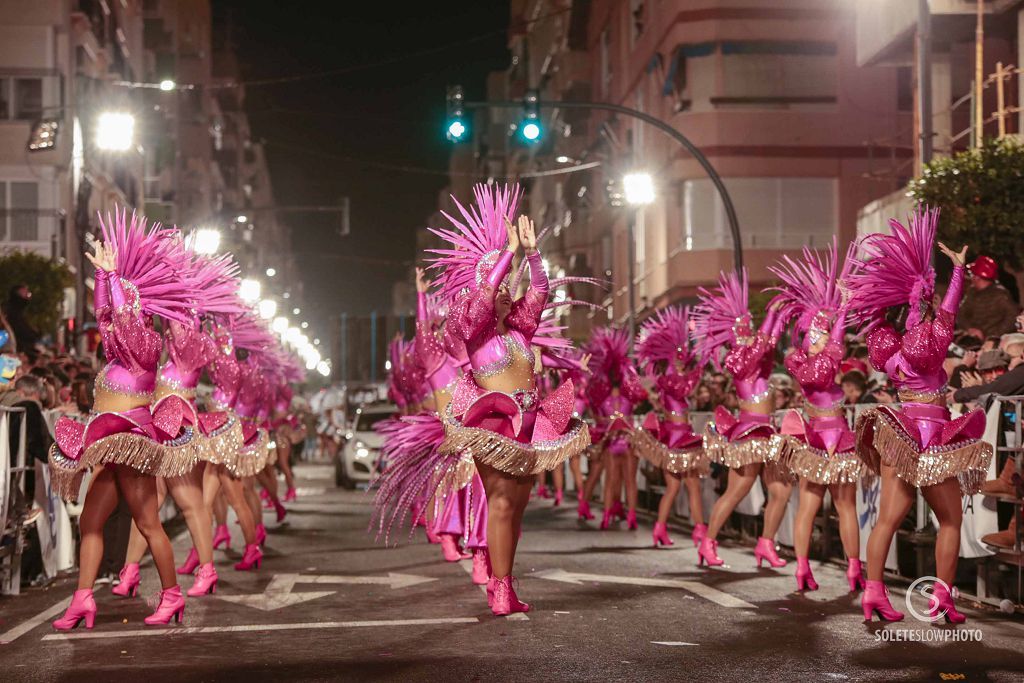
518, 376
678, 419
164, 390
831, 411
762, 407
111, 402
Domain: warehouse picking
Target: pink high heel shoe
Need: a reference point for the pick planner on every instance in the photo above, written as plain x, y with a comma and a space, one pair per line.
222, 535
264, 495
804, 577
281, 511
450, 548
172, 606
129, 584
699, 532
191, 563
252, 558
542, 492
606, 520
617, 510
765, 551
875, 600
940, 604
82, 608
855, 574
631, 520
289, 495
261, 534
583, 510
491, 582
481, 567
661, 536
708, 552
431, 536
505, 600
558, 498
206, 581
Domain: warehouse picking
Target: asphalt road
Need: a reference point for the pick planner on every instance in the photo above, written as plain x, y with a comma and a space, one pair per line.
331, 604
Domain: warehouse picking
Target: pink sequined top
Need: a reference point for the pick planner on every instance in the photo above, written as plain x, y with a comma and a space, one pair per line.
674, 389
251, 401
440, 368
472, 318
189, 350
226, 373
751, 365
816, 374
606, 404
131, 345
914, 362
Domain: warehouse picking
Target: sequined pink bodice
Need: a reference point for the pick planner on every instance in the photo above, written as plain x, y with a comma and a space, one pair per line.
252, 387
226, 373
607, 404
440, 368
189, 350
914, 361
751, 365
816, 375
674, 389
130, 343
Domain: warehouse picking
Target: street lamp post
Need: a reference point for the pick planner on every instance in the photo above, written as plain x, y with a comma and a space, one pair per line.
639, 191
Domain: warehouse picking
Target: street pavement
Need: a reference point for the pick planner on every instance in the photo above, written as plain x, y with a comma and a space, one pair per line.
330, 603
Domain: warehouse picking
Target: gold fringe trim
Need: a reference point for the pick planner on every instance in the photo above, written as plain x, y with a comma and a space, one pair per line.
223, 443
816, 465
777, 472
881, 441
677, 461
740, 453
247, 461
453, 479
511, 456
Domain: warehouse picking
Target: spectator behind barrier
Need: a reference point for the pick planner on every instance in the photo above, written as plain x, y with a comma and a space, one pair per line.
987, 309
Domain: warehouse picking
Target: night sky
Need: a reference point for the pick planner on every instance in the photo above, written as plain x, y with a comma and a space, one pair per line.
324, 135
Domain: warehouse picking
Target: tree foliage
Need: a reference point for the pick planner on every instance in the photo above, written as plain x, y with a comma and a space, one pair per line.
980, 194
44, 277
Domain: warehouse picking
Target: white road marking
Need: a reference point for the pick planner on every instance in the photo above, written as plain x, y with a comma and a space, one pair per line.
707, 592
26, 626
671, 643
517, 616
248, 628
278, 592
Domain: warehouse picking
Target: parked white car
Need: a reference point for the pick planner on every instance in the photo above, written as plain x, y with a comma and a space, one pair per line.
358, 460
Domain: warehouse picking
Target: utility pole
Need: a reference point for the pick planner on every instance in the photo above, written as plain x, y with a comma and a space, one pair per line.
924, 82
632, 227
979, 75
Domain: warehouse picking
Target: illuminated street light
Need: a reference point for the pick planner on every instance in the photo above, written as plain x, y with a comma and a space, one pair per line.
249, 290
271, 272
639, 188
316, 342
167, 85
206, 241
324, 368
280, 325
268, 309
296, 310
304, 324
241, 218
292, 335
115, 131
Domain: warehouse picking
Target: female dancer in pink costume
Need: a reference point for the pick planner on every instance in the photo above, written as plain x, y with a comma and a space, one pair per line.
748, 446
614, 392
915, 445
667, 440
205, 440
496, 414
137, 276
820, 448
578, 377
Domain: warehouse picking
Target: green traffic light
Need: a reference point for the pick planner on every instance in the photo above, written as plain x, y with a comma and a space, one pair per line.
531, 131
456, 130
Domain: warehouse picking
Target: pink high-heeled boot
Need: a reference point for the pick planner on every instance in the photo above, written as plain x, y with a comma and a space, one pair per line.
505, 600
481, 567
542, 492
129, 584
289, 495
206, 581
491, 582
583, 510
708, 552
450, 548
280, 510
431, 536
617, 510
191, 562
765, 551
660, 535
606, 520
252, 558
82, 608
261, 534
631, 520
804, 576
855, 574
172, 606
875, 600
699, 532
558, 498
941, 604
222, 535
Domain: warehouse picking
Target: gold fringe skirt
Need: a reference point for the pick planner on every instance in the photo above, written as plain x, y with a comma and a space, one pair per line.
740, 453
677, 461
514, 457
816, 465
880, 440
247, 460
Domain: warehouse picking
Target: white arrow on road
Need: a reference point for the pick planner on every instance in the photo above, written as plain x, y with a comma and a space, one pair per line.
278, 592
707, 592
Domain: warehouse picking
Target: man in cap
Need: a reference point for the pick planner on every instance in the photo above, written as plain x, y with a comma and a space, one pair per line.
988, 309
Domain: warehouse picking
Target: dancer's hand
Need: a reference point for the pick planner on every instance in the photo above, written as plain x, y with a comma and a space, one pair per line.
513, 236
104, 259
527, 235
958, 259
421, 281
585, 362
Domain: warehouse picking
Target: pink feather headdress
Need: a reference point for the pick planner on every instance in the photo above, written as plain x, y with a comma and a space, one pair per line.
609, 352
154, 260
477, 239
812, 290
250, 333
897, 268
215, 282
719, 311
665, 336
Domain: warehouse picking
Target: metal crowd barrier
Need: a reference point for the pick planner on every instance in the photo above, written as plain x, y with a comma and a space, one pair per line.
13, 502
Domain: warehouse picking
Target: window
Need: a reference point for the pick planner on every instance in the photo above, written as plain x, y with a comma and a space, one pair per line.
782, 73
19, 211
776, 213
21, 98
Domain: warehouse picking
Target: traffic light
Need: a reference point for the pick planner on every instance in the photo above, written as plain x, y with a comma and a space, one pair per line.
456, 126
530, 127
